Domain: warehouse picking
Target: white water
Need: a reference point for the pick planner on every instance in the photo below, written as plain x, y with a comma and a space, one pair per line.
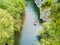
30, 31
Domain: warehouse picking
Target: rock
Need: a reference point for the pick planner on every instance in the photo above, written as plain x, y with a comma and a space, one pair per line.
44, 14
38, 2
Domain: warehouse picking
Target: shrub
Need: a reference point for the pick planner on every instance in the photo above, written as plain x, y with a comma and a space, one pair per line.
14, 7
6, 27
50, 31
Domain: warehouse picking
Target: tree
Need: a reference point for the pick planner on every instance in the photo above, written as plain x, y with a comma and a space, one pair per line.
50, 31
6, 27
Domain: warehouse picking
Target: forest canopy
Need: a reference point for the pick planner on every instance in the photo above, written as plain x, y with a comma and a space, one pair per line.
50, 31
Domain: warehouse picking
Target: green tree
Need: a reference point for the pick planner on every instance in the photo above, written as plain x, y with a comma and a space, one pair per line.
10, 19
50, 31
14, 7
6, 27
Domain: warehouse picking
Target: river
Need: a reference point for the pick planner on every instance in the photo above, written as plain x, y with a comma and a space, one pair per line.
30, 31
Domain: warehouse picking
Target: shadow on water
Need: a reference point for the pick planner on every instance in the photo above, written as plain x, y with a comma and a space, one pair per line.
17, 34
36, 9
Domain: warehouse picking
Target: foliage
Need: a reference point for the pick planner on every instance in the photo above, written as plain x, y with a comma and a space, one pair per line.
58, 1
14, 7
6, 26
10, 20
47, 3
50, 31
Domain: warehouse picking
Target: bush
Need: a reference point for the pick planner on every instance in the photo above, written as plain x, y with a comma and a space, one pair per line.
6, 27
50, 31
10, 19
14, 7
47, 3
58, 1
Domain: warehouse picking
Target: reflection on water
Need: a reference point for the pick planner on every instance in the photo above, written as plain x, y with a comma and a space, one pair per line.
30, 31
